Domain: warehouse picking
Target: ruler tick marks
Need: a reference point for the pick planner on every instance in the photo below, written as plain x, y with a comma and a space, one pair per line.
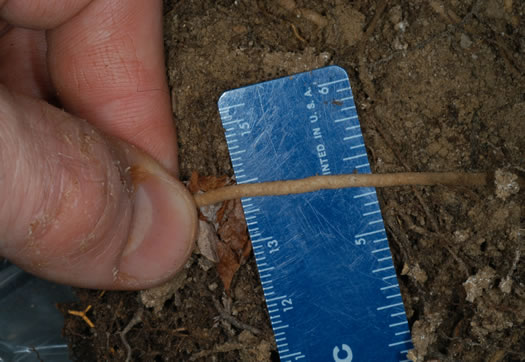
352, 127
379, 250
372, 213
398, 343
222, 109
354, 157
382, 269
345, 99
370, 233
365, 194
390, 287
403, 332
357, 146
263, 239
345, 119
371, 203
385, 258
389, 277
347, 108
332, 82
363, 165
375, 222
393, 296
398, 324
291, 355
276, 298
380, 240
232, 122
352, 137
389, 306
251, 211
397, 314
237, 152
266, 269
247, 181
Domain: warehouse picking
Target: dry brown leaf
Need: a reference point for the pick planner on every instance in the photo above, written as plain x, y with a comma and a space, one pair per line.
228, 264
233, 245
233, 230
206, 183
207, 241
233, 233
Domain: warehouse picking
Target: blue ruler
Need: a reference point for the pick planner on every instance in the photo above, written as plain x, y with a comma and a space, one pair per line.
323, 257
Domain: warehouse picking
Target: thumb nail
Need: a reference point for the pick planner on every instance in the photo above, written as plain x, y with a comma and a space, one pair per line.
164, 226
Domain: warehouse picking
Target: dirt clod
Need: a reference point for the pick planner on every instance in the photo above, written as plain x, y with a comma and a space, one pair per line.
506, 184
478, 283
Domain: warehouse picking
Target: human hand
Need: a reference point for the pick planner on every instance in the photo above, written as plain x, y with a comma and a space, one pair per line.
76, 206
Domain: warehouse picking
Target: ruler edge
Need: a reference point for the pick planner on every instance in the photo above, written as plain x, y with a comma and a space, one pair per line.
332, 66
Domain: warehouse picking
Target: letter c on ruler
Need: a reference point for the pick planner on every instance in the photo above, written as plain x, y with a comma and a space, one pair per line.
347, 357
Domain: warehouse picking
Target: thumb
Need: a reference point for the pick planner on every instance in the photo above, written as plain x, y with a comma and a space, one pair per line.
80, 209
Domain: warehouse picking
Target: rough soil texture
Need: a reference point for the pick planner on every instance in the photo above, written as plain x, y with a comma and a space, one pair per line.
439, 86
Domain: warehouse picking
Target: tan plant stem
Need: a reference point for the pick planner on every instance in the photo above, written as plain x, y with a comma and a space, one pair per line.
316, 183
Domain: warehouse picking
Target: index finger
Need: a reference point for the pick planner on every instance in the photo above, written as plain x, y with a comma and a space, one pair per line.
107, 64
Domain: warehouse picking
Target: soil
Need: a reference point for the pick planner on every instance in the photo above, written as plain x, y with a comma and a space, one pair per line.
439, 86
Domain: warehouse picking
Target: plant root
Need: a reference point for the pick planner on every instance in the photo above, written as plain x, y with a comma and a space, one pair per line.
232, 320
137, 318
316, 183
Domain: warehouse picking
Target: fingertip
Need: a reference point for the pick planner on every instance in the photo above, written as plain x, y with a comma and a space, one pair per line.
163, 229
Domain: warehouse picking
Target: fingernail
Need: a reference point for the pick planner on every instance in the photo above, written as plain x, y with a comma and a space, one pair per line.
163, 230
142, 220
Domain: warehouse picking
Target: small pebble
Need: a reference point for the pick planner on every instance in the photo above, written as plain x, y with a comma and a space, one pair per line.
213, 286
465, 41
